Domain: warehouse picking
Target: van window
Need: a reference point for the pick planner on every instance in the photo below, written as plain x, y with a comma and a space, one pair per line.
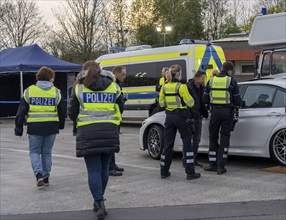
148, 74
278, 62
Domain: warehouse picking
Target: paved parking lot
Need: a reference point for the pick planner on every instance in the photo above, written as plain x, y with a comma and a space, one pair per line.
245, 192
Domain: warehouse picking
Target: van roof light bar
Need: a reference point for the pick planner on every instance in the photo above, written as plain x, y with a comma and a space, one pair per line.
191, 41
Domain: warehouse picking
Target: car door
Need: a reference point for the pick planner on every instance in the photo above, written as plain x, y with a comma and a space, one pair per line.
257, 117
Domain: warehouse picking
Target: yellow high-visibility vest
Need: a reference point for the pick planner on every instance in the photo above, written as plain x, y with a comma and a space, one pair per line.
219, 90
42, 104
98, 106
171, 94
162, 81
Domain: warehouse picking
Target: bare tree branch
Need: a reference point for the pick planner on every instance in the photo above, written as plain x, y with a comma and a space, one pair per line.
20, 23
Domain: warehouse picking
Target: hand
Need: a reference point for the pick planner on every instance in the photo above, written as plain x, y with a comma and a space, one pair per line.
205, 114
18, 131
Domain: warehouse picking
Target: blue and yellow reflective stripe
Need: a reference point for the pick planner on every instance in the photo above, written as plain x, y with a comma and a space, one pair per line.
141, 95
138, 89
151, 57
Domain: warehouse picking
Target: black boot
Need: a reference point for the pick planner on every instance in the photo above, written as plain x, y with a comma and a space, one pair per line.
101, 212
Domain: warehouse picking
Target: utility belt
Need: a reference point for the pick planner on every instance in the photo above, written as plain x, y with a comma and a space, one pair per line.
176, 111
222, 106
185, 113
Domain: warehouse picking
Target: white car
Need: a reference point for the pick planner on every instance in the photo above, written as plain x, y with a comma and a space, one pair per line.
260, 131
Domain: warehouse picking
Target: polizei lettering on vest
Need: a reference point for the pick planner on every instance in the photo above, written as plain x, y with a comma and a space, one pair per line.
90, 97
43, 101
219, 84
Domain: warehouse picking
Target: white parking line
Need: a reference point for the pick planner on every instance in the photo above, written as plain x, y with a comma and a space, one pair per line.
76, 158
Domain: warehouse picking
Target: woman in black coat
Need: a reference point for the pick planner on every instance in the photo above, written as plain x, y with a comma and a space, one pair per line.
94, 106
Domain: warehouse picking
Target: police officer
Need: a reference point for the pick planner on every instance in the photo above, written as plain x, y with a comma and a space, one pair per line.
120, 76
223, 95
94, 105
163, 80
196, 88
44, 109
175, 97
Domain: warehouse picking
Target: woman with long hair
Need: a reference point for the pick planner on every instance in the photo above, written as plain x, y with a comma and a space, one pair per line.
94, 107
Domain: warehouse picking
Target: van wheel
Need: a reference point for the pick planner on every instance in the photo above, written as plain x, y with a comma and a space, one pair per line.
155, 141
278, 147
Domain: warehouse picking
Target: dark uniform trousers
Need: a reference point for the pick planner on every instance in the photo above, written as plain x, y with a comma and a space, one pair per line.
197, 132
220, 121
175, 121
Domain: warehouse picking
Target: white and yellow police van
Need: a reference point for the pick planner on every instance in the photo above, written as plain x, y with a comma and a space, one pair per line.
144, 65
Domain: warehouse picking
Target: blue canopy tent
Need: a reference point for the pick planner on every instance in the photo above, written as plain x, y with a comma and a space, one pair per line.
29, 59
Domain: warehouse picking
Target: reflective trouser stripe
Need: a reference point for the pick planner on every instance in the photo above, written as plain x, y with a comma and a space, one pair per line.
213, 153
212, 156
189, 157
162, 162
225, 153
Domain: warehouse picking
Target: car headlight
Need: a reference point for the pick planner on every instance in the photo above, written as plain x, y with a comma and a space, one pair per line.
144, 122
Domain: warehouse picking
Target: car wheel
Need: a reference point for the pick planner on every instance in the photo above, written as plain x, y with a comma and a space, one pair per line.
278, 147
155, 141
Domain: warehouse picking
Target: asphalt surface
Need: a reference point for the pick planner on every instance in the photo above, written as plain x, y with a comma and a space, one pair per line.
266, 210
244, 192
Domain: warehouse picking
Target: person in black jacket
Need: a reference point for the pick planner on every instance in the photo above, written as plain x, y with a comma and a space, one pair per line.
222, 94
196, 88
120, 76
44, 108
94, 106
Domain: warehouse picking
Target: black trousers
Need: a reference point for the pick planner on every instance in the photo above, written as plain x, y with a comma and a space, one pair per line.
112, 164
220, 122
197, 132
174, 122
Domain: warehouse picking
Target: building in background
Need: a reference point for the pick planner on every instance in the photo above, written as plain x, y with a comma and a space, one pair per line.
238, 51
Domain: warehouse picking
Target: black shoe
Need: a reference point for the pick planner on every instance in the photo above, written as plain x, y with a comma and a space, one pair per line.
221, 171
193, 176
119, 169
198, 164
46, 181
210, 168
114, 173
40, 180
163, 176
100, 209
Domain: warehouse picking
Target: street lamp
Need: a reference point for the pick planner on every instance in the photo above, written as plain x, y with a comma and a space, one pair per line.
167, 29
122, 34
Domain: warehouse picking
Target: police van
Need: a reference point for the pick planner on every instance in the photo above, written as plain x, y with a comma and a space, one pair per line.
144, 65
269, 32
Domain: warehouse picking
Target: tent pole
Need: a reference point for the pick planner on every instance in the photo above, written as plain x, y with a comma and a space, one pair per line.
21, 84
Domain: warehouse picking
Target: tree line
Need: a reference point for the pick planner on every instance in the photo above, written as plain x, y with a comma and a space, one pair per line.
85, 29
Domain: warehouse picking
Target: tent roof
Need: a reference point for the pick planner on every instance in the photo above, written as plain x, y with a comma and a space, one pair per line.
31, 59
